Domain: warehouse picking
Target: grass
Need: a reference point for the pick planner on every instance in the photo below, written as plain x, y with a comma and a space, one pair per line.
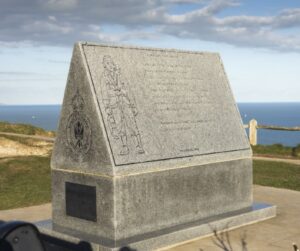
24, 129
24, 181
276, 174
277, 150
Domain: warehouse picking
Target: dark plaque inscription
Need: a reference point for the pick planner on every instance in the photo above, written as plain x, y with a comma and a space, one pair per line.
81, 201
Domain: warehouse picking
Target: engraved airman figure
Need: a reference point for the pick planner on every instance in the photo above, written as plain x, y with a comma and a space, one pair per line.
120, 107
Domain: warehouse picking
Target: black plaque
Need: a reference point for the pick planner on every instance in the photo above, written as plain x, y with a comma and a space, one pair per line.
81, 201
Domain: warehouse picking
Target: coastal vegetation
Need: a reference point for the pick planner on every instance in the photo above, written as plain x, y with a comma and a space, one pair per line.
276, 174
24, 181
24, 129
277, 150
11, 145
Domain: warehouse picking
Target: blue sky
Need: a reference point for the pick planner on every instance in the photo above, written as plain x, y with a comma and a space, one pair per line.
259, 41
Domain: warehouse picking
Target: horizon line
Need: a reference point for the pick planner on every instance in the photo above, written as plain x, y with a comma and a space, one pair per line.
238, 102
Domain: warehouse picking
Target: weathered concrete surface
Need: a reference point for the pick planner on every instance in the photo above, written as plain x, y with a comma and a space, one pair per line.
158, 200
181, 100
157, 134
142, 107
275, 234
165, 237
105, 205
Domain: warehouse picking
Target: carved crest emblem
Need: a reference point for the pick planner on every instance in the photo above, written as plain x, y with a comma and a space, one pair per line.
78, 127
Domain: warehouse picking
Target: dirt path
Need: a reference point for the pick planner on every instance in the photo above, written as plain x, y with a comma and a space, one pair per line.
28, 136
290, 161
34, 213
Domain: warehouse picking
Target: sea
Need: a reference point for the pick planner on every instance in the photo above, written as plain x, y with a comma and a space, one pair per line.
280, 114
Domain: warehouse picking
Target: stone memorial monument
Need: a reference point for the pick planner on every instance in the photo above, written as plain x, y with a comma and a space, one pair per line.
150, 150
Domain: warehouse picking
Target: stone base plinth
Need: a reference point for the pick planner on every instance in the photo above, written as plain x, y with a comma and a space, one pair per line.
159, 239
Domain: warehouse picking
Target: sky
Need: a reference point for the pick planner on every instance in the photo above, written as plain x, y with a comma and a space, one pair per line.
259, 41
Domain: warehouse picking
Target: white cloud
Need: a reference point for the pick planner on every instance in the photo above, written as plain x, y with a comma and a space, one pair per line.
38, 27
61, 22
60, 5
52, 18
288, 18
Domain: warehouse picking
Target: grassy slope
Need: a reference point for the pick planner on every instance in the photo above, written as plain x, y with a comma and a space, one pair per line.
24, 181
277, 150
24, 129
276, 174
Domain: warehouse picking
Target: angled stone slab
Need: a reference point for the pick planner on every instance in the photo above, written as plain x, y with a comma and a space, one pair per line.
151, 105
149, 140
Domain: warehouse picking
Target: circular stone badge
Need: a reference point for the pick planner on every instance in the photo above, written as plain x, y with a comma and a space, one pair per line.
79, 133
78, 127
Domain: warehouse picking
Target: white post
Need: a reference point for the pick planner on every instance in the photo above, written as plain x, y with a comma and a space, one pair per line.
253, 132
